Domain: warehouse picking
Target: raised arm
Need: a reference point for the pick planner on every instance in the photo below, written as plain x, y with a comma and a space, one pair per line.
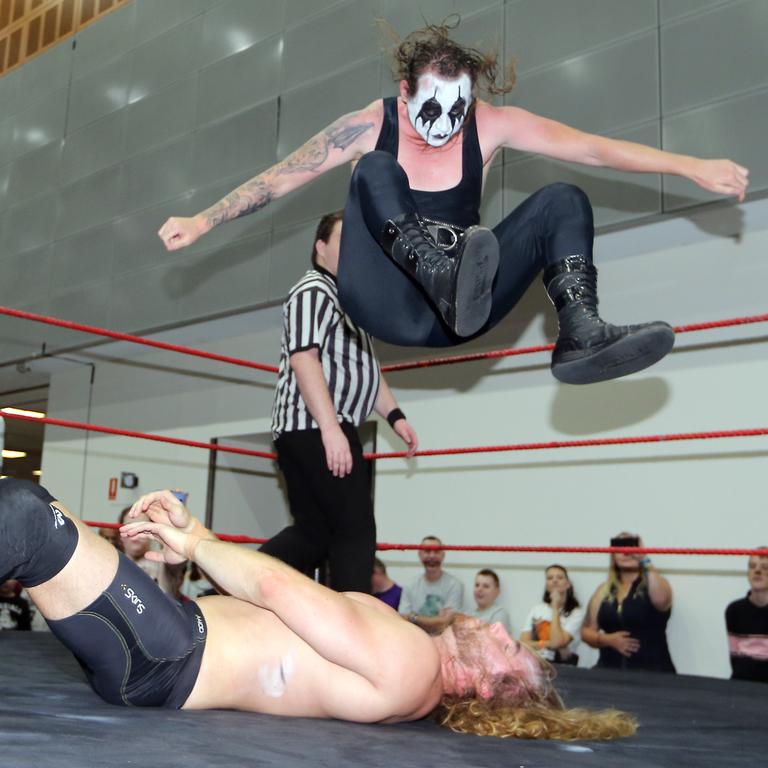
659, 589
559, 637
341, 142
515, 128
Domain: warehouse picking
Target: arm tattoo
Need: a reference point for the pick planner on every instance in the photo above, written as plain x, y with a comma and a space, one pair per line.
249, 198
307, 158
344, 135
314, 153
256, 194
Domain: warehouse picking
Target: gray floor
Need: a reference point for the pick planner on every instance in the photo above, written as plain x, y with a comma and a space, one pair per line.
50, 717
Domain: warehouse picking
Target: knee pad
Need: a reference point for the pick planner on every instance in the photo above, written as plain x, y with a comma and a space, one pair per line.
36, 539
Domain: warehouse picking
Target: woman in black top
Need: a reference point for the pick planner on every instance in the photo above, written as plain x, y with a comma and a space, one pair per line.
628, 614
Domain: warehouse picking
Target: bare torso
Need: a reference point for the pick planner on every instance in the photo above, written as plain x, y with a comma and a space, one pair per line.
254, 662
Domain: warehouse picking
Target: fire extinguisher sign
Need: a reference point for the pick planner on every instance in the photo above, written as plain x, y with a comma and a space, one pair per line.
112, 488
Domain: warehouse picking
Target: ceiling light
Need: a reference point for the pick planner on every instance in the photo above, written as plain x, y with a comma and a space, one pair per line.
37, 472
14, 454
23, 412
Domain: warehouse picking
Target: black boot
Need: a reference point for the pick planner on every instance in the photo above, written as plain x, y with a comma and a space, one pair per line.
588, 349
457, 280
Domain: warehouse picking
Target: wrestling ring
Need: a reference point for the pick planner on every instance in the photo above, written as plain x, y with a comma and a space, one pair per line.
49, 716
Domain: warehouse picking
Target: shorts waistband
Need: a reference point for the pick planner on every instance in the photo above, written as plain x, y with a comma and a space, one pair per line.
187, 676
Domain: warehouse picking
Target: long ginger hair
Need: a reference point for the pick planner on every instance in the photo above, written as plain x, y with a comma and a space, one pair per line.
543, 720
524, 704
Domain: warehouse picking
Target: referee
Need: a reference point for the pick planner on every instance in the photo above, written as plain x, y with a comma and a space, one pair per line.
328, 384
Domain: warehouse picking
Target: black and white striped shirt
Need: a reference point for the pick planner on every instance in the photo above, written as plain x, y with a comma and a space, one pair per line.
312, 317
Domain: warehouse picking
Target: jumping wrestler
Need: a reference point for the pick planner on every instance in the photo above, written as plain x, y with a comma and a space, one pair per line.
328, 383
319, 653
420, 163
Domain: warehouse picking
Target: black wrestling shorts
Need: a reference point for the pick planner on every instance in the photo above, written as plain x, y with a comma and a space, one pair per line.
137, 645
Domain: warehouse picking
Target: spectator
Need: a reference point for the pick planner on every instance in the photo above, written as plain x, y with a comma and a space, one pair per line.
628, 614
747, 623
112, 535
383, 587
486, 593
553, 627
435, 597
14, 609
135, 549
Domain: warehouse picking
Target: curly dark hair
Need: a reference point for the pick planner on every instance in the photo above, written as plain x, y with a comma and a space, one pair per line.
431, 48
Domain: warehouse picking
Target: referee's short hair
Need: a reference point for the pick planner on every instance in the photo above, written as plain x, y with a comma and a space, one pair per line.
324, 229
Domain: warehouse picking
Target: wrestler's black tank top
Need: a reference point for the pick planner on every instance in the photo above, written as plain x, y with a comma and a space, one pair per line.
459, 205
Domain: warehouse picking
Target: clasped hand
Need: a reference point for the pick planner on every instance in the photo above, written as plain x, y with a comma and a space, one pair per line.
169, 523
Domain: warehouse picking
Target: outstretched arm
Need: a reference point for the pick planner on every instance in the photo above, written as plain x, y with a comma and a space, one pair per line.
518, 129
345, 139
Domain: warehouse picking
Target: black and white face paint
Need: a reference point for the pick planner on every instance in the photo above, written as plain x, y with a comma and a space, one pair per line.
438, 108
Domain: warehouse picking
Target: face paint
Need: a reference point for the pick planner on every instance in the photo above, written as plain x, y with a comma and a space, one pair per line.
438, 108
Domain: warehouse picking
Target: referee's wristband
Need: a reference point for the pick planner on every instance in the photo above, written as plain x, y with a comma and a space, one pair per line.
394, 415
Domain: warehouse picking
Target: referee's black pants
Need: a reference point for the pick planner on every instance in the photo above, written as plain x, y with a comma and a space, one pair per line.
332, 516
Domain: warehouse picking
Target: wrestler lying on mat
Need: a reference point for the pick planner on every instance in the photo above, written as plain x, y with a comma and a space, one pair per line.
279, 643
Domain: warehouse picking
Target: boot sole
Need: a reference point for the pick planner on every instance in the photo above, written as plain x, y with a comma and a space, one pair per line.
629, 354
474, 280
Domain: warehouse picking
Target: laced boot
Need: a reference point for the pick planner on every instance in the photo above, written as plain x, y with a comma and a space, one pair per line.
458, 283
588, 349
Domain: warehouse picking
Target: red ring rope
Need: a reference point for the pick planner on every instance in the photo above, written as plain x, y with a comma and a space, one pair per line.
45, 319
140, 435
135, 339
403, 454
497, 353
237, 539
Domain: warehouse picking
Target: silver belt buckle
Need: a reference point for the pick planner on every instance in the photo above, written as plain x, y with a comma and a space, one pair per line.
438, 231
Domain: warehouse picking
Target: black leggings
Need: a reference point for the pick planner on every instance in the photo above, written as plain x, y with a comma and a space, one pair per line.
551, 224
333, 517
